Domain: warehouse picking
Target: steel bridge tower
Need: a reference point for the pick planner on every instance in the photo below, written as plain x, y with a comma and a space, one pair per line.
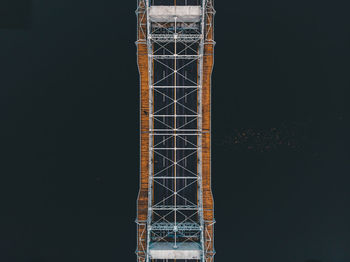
175, 52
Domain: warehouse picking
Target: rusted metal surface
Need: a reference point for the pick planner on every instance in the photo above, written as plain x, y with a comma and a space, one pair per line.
208, 203
142, 200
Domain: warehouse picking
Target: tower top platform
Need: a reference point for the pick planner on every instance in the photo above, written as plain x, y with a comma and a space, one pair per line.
162, 13
166, 250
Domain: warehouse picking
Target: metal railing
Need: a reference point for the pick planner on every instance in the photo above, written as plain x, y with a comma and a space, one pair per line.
175, 2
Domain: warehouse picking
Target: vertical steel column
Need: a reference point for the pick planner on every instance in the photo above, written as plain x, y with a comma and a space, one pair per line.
150, 151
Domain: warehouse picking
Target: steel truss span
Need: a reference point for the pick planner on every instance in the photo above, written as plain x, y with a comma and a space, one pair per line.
175, 48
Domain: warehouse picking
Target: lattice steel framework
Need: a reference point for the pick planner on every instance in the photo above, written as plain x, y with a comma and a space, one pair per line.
175, 58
